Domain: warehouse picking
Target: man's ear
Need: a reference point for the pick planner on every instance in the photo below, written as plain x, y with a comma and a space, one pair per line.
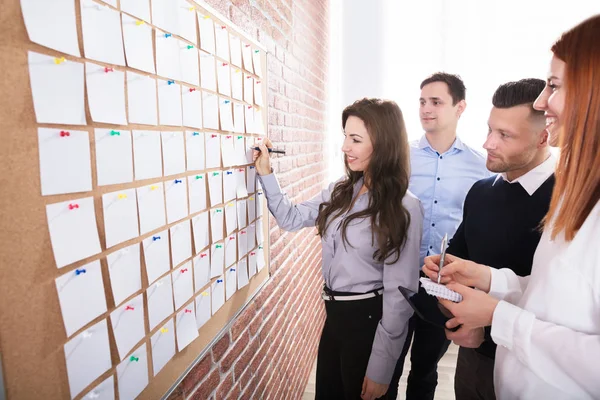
462, 105
544, 138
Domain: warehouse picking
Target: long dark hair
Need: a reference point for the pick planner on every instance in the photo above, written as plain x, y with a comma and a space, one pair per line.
387, 176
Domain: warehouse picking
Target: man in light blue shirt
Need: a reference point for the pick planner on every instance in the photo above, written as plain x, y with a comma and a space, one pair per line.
443, 169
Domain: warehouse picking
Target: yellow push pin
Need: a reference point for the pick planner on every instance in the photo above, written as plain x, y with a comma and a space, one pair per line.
60, 60
138, 23
122, 196
153, 187
164, 330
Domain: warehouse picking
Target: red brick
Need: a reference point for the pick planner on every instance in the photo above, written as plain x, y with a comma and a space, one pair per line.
234, 352
196, 374
208, 386
220, 347
224, 387
177, 394
243, 320
235, 393
245, 358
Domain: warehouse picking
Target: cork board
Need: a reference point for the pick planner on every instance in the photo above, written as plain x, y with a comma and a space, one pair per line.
32, 332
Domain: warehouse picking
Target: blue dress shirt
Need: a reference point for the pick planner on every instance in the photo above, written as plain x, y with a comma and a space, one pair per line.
441, 182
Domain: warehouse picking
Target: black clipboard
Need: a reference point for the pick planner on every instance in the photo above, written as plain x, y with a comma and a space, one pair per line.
427, 307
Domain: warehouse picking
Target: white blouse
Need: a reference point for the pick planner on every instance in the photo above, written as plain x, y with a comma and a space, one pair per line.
547, 325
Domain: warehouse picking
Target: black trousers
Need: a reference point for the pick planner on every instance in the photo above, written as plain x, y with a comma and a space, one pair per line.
345, 348
474, 378
429, 344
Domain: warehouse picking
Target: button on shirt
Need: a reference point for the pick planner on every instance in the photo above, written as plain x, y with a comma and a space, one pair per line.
351, 267
441, 182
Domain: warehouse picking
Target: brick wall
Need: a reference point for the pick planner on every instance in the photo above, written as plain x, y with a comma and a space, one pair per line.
269, 350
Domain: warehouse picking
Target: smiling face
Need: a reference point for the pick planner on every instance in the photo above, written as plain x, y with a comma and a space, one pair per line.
357, 146
552, 99
437, 113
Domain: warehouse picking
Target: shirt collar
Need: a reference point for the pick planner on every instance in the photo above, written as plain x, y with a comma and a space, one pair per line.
532, 180
424, 143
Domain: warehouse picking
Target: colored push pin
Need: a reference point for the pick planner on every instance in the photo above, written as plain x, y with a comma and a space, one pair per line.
73, 206
247, 45
225, 64
237, 71
229, 172
249, 107
251, 198
219, 280
129, 308
231, 237
240, 137
164, 330
80, 271
219, 246
223, 26
122, 196
252, 167
243, 232
253, 254
202, 255
184, 270
231, 269
168, 35
228, 137
192, 89
140, 22
177, 181
155, 238
260, 247
218, 210
213, 136
198, 176
59, 61
107, 70
187, 311
64, 133
257, 82
256, 51
227, 102
196, 133
189, 47
170, 82
215, 174
191, 8
115, 133
153, 187
241, 170
248, 77
134, 358
205, 294
206, 17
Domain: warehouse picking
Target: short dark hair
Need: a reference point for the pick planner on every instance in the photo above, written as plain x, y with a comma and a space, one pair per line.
456, 87
519, 93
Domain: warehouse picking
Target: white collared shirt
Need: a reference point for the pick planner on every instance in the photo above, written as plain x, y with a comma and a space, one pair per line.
532, 180
547, 326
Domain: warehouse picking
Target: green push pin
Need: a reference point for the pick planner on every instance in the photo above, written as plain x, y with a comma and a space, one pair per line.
133, 358
256, 51
189, 46
240, 137
219, 210
198, 176
215, 174
219, 246
115, 133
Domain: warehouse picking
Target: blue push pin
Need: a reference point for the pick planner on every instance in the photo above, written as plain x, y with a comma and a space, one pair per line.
177, 180
219, 280
170, 82
232, 270
79, 271
155, 238
168, 35
227, 101
229, 172
196, 134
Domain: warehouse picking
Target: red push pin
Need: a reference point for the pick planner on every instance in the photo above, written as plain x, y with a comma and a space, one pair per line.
228, 137
213, 136
192, 89
184, 270
129, 308
202, 255
257, 81
247, 45
223, 26
231, 237
249, 107
252, 254
225, 64
241, 170
243, 232
187, 310
64, 133
107, 70
248, 77
73, 206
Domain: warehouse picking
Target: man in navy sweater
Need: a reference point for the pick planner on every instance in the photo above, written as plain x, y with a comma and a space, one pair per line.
502, 214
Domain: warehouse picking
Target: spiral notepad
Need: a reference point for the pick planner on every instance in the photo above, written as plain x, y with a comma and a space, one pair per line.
438, 290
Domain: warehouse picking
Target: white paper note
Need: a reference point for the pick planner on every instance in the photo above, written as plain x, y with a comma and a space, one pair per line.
222, 41
241, 213
242, 242
197, 184
200, 227
137, 8
249, 113
151, 207
165, 14
252, 264
247, 57
194, 147
183, 284
223, 78
256, 61
181, 242
260, 258
251, 209
57, 89
104, 390
236, 50
203, 308
248, 88
230, 250
229, 185
168, 49
132, 374
65, 164
239, 119
187, 21
191, 100
190, 69
208, 72
160, 301
227, 150
240, 182
207, 33
240, 152
226, 115
213, 150
81, 296
114, 163
163, 346
217, 219
251, 236
217, 259
218, 294
237, 82
127, 322
259, 126
250, 144
173, 153
242, 273
259, 204
125, 272
187, 330
258, 99
231, 282
137, 37
177, 199
251, 178
231, 217
215, 188
156, 255
73, 230
87, 356
141, 99
102, 37
201, 270
169, 103
52, 24
147, 155
210, 110
120, 216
